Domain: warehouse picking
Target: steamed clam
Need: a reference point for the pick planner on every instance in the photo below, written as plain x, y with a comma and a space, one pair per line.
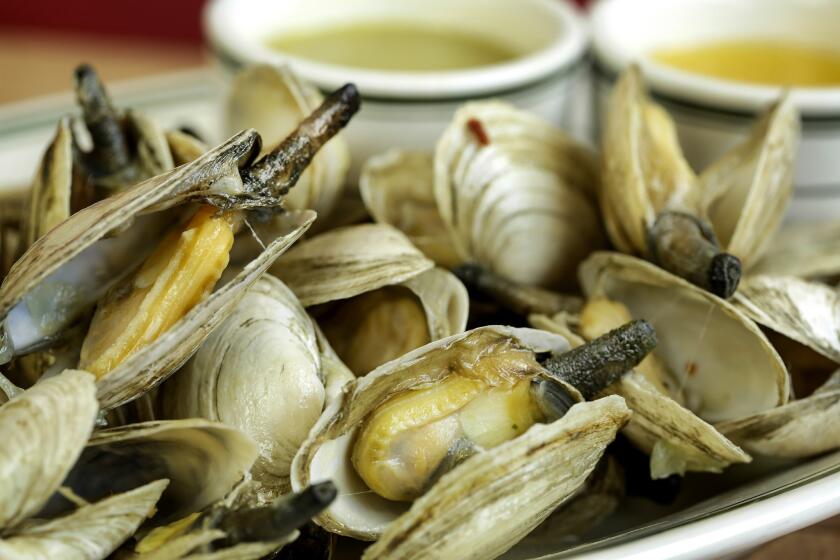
477, 414
378, 296
274, 101
138, 335
516, 195
125, 148
804, 311
656, 207
703, 338
266, 371
47, 428
676, 393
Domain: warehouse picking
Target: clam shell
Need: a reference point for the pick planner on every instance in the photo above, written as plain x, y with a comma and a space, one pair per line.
397, 188
644, 170
799, 429
151, 365
83, 229
725, 366
49, 198
445, 300
361, 514
596, 501
215, 173
91, 532
203, 461
677, 440
274, 101
807, 250
746, 192
181, 547
487, 504
60, 178
349, 261
44, 429
267, 345
516, 194
807, 312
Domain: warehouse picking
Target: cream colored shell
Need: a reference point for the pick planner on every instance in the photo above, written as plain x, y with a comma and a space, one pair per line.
484, 505
676, 439
516, 195
397, 188
808, 312
274, 101
724, 366
46, 428
261, 372
799, 429
743, 195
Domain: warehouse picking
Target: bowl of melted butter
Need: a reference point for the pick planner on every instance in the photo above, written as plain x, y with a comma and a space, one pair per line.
715, 64
413, 61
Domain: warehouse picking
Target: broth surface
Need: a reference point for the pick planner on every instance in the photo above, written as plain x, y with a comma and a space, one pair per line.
767, 62
396, 46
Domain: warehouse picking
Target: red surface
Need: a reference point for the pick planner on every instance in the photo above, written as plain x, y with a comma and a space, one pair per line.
158, 19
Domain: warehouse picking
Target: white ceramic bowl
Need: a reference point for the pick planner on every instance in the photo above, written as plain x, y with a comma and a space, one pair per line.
712, 114
410, 110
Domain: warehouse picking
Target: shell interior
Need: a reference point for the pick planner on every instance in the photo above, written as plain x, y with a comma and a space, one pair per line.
326, 454
724, 366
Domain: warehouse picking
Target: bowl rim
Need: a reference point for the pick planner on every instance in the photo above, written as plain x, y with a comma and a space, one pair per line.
705, 91
564, 52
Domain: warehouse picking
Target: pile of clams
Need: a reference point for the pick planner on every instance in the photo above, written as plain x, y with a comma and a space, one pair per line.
229, 351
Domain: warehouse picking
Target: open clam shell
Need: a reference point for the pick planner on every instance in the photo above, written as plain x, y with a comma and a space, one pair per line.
747, 190
644, 171
149, 366
48, 426
349, 261
45, 429
91, 532
266, 351
78, 255
274, 101
722, 364
203, 461
126, 148
655, 206
495, 499
801, 428
809, 250
503, 479
397, 188
808, 312
516, 195
384, 296
677, 440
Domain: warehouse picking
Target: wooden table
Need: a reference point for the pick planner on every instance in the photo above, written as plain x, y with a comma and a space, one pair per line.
36, 64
